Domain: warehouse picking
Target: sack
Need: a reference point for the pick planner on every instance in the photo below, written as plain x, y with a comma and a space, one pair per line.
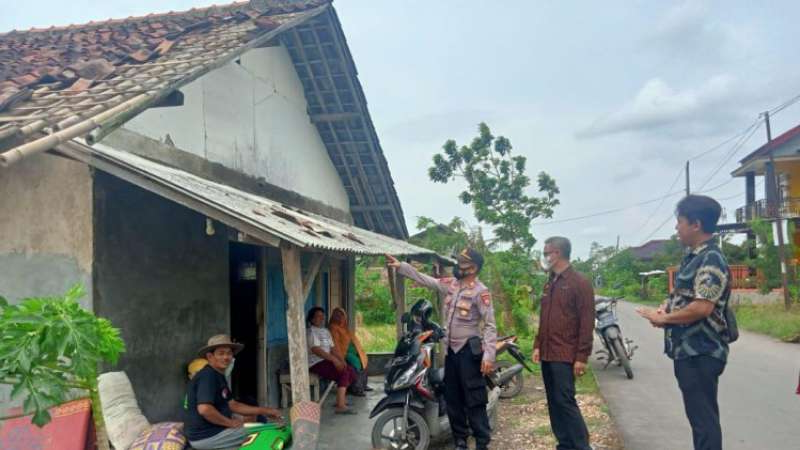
731, 333
123, 418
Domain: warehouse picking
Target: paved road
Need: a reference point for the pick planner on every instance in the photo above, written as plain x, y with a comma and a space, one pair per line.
757, 401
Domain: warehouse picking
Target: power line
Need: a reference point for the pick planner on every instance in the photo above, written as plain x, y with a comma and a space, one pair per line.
609, 211
653, 213
734, 150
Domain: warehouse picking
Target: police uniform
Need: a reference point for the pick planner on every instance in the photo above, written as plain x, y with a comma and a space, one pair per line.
468, 311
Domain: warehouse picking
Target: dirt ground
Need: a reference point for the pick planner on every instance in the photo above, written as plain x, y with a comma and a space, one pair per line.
523, 422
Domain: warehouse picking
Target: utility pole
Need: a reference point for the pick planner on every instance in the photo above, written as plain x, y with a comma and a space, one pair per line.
775, 211
688, 191
617, 250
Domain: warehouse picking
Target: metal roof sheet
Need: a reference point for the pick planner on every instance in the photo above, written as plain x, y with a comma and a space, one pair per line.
302, 228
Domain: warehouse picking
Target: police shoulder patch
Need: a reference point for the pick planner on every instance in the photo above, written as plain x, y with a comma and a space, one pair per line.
486, 297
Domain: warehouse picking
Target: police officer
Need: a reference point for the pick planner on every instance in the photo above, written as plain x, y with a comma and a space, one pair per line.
468, 304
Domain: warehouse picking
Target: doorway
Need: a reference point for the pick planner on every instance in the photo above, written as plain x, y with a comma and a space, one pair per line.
244, 281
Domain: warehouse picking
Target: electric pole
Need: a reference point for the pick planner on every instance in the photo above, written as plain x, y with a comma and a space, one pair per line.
688, 191
775, 211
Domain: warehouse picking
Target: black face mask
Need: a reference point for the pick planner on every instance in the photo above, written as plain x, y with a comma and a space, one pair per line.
460, 275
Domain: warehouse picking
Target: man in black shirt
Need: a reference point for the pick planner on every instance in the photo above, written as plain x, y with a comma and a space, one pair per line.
210, 423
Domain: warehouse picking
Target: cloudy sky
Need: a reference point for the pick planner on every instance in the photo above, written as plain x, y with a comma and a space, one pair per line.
610, 98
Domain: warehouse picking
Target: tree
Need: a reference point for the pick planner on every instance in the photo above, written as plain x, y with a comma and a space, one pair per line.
52, 346
496, 186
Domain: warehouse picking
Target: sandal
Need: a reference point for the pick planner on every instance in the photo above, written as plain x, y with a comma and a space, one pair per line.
346, 411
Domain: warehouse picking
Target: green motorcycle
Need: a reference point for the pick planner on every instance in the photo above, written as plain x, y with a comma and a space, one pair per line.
267, 436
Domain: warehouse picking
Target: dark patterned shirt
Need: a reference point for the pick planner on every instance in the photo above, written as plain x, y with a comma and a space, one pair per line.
566, 318
704, 274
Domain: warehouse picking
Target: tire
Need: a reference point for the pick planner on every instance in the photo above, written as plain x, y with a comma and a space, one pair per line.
418, 436
514, 385
622, 356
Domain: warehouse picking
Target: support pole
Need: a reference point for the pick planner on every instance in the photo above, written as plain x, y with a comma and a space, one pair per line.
296, 323
775, 209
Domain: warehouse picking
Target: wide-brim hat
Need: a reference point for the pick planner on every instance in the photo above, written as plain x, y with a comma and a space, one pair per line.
220, 340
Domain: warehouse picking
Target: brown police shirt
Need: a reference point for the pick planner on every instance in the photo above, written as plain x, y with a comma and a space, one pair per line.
566, 320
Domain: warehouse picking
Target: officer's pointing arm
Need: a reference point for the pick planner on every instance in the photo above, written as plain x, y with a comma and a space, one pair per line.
407, 270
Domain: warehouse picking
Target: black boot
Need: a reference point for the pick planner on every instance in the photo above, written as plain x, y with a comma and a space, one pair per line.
461, 444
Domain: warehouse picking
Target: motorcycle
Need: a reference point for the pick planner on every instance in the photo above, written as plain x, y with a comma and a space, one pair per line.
514, 386
414, 413
617, 348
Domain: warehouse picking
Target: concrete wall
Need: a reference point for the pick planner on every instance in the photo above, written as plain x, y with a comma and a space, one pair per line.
164, 282
45, 227
252, 117
45, 231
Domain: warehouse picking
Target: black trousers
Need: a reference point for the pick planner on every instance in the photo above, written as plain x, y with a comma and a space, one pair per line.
565, 416
698, 378
466, 397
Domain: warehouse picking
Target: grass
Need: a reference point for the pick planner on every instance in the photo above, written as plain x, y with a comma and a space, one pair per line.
772, 320
377, 338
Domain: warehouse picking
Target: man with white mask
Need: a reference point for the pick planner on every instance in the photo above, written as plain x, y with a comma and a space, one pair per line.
564, 342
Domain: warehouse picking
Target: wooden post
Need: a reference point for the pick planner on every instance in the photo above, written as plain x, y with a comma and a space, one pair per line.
400, 289
296, 323
261, 320
350, 292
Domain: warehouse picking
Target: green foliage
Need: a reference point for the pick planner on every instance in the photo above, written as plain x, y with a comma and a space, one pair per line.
373, 297
767, 260
772, 320
49, 346
496, 185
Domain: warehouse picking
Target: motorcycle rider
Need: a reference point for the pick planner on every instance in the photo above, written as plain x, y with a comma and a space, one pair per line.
468, 304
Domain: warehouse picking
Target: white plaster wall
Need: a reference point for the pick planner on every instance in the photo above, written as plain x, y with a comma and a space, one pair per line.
252, 117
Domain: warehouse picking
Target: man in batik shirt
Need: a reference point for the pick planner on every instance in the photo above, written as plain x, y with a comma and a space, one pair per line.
695, 332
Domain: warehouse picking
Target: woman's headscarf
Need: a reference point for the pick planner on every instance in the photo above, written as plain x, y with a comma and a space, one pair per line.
342, 337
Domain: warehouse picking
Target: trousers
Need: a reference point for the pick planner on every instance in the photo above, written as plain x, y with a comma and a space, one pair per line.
565, 416
698, 378
466, 397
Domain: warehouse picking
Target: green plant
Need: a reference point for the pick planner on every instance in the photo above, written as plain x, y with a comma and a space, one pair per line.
496, 185
51, 346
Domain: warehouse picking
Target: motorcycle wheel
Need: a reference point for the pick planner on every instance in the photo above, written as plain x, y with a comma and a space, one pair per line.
514, 385
386, 431
622, 356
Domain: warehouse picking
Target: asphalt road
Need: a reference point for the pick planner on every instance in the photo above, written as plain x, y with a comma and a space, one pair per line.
758, 405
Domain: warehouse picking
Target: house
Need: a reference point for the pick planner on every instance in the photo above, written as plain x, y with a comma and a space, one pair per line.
199, 172
778, 161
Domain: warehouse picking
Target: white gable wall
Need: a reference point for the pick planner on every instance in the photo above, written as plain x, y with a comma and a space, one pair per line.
252, 117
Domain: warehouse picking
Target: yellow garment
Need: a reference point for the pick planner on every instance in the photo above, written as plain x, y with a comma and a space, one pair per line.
342, 337
195, 366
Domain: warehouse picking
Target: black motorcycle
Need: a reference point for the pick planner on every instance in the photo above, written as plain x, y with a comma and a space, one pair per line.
414, 412
617, 348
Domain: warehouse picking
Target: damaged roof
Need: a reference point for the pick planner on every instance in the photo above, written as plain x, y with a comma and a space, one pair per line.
261, 218
84, 81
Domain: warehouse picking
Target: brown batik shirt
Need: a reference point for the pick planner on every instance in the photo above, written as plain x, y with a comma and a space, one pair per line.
566, 320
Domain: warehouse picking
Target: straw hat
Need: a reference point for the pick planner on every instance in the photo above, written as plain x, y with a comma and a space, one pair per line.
220, 340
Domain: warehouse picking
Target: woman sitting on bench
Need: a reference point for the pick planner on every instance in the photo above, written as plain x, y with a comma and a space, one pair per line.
323, 362
347, 347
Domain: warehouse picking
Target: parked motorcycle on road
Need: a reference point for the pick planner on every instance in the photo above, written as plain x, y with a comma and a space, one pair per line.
617, 349
514, 385
413, 413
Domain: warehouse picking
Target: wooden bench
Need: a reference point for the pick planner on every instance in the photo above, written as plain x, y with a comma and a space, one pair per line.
285, 380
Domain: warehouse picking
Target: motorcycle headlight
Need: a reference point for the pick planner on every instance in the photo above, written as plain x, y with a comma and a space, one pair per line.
405, 379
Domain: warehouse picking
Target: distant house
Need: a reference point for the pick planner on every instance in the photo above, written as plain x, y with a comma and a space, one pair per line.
778, 202
200, 172
649, 250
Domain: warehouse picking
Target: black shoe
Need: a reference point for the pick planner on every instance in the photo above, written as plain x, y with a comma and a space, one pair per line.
368, 389
461, 445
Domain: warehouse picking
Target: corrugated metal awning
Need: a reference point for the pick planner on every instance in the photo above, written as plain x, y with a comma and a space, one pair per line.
261, 218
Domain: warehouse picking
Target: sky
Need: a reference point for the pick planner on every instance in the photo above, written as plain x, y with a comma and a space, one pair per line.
609, 98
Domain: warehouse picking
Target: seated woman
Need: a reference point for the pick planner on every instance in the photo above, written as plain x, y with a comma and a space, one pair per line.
323, 362
347, 347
